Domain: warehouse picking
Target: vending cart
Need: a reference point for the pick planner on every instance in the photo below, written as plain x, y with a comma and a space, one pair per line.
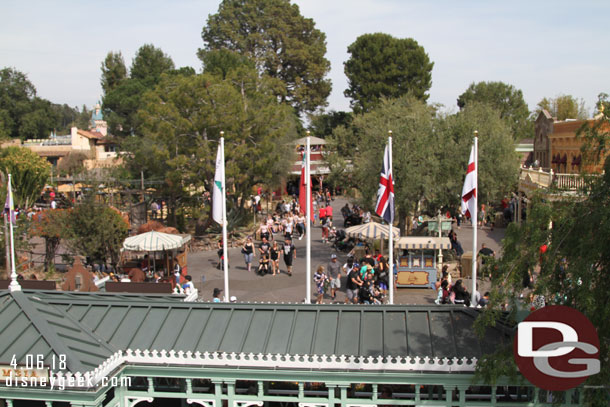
416, 260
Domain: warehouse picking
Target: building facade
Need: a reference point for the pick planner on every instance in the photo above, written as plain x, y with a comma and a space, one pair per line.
99, 149
557, 146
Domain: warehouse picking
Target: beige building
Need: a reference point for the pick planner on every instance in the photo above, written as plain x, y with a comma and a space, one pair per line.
557, 147
96, 144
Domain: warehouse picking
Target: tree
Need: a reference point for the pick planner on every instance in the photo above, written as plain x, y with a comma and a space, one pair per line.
150, 62
122, 101
323, 124
573, 271
95, 230
182, 119
430, 154
51, 226
29, 174
507, 100
498, 161
23, 114
383, 66
72, 164
283, 44
415, 150
564, 107
16, 96
114, 71
220, 62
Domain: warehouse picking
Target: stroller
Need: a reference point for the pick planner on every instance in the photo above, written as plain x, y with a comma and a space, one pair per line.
340, 243
263, 265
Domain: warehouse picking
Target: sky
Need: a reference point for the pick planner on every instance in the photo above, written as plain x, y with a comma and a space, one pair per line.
544, 48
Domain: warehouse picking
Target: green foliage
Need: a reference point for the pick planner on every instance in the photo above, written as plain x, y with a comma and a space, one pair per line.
150, 62
323, 124
51, 225
573, 271
24, 115
507, 100
29, 174
430, 153
123, 96
283, 44
114, 71
95, 230
564, 107
415, 152
222, 61
498, 161
183, 118
383, 66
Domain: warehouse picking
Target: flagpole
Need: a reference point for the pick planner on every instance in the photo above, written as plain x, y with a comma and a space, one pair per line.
225, 257
14, 285
474, 217
308, 225
391, 238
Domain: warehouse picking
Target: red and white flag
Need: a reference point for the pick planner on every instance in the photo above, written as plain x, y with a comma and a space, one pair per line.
385, 193
469, 192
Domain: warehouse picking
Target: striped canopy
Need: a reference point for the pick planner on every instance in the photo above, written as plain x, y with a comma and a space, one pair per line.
155, 242
423, 242
371, 230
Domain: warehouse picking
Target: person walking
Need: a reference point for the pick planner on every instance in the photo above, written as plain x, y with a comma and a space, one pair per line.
320, 279
354, 282
274, 253
290, 253
334, 274
248, 251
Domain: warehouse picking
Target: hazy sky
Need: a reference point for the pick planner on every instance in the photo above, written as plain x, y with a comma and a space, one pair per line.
544, 48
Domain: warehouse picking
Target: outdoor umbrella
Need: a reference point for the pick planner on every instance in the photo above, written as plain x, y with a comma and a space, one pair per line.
154, 242
371, 230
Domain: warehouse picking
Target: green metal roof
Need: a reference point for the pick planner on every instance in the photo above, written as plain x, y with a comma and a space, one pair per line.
91, 327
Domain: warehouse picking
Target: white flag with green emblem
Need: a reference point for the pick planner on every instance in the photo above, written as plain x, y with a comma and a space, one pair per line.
218, 186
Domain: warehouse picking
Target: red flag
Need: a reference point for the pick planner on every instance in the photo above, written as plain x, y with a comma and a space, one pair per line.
469, 192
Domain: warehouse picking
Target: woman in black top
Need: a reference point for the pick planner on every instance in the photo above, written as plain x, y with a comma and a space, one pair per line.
248, 251
274, 252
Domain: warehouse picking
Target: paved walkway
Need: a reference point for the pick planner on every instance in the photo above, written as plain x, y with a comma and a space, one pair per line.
283, 288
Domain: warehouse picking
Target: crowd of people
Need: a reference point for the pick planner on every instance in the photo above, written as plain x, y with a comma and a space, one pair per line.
367, 279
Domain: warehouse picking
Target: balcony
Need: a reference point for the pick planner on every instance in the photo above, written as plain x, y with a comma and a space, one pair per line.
532, 179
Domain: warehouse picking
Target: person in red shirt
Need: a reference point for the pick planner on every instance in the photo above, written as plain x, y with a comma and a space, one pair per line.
322, 214
329, 212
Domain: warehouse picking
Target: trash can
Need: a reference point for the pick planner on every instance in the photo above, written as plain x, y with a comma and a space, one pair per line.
466, 263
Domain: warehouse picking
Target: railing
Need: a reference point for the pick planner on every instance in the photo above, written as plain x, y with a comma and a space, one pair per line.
570, 182
544, 179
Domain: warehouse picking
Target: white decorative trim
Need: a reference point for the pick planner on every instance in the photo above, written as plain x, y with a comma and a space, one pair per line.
247, 403
270, 361
313, 404
202, 402
132, 401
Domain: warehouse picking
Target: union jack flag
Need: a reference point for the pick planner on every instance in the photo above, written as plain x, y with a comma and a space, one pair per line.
385, 193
